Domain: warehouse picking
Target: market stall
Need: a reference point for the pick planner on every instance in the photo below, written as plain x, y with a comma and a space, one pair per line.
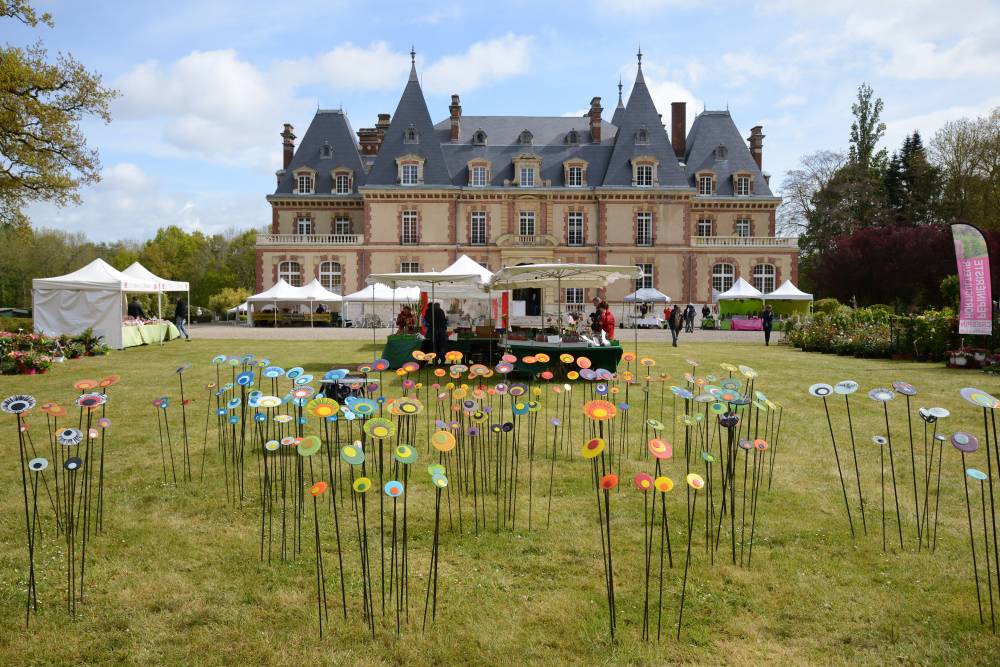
789, 299
653, 299
162, 285
285, 305
740, 307
94, 297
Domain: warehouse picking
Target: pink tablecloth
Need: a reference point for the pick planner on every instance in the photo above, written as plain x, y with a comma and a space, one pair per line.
755, 324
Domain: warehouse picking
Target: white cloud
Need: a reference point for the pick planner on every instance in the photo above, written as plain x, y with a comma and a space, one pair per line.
482, 63
375, 67
793, 100
930, 122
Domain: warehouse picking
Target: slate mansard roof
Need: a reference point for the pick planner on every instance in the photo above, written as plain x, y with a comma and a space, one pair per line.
608, 162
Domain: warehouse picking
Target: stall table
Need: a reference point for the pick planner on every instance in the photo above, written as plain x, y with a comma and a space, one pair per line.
146, 334
399, 349
606, 357
747, 324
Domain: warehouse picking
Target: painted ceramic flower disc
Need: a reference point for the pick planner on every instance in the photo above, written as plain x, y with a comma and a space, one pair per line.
717, 407
504, 367
732, 384
380, 365
979, 397
904, 388
38, 465
729, 420
69, 437
748, 372
17, 403
309, 445
109, 381
965, 442
593, 448
435, 469
282, 419
272, 372
393, 489
405, 454
760, 444
695, 481
245, 379
881, 394
660, 448
663, 484
566, 358
440, 481
879, 440
73, 463
294, 372
707, 457
609, 481
600, 410
976, 474
846, 387
509, 358
542, 358
728, 367
380, 428
219, 359
318, 407
361, 485
272, 445
643, 481
820, 390
319, 488
352, 454
939, 413
648, 362
583, 362
85, 385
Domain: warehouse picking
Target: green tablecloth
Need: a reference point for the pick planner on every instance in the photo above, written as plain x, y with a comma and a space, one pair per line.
399, 348
600, 357
146, 334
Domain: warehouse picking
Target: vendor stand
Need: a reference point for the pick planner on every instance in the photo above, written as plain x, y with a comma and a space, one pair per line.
740, 307
646, 295
789, 300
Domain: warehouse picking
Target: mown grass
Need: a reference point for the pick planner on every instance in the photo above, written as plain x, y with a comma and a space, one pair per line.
176, 580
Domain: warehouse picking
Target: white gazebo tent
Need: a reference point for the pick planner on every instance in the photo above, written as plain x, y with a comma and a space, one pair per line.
377, 294
788, 298
314, 293
90, 297
279, 292
645, 295
740, 299
137, 270
422, 280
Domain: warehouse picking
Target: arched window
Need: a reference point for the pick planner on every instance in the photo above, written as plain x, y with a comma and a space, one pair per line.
763, 277
723, 276
706, 227
572, 137
479, 138
642, 136
411, 136
291, 272
330, 276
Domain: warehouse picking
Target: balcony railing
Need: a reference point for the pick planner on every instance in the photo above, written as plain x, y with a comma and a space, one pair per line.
527, 241
744, 242
309, 239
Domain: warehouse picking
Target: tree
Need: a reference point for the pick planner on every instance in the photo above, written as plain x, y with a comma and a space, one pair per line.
813, 174
912, 184
227, 298
866, 131
967, 154
43, 153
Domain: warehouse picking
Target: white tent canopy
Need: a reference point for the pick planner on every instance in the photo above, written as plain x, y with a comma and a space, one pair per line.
137, 270
465, 265
90, 297
426, 279
562, 275
788, 292
279, 291
314, 291
741, 289
382, 293
647, 295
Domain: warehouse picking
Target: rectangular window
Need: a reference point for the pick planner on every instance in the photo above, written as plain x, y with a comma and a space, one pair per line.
304, 226
704, 227
409, 267
343, 184
574, 228
527, 177
527, 223
478, 178
644, 228
574, 177
644, 175
477, 228
408, 174
342, 225
704, 185
305, 184
743, 227
646, 279
409, 230
743, 186
574, 296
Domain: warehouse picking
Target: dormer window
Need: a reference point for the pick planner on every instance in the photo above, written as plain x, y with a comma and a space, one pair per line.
742, 185
304, 184
325, 151
644, 171
527, 179
411, 136
644, 175
526, 138
411, 169
342, 182
642, 136
573, 137
721, 152
706, 184
575, 173
478, 177
479, 138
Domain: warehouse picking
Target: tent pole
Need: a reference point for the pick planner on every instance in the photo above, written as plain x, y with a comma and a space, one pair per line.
310, 314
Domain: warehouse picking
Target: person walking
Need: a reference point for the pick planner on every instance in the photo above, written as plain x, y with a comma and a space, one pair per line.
689, 318
768, 321
439, 329
676, 323
181, 316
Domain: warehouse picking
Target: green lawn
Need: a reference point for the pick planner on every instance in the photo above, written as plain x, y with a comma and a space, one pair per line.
175, 579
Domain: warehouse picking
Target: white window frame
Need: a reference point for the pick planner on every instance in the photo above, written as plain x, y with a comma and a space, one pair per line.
644, 228
705, 185
644, 175
409, 267
303, 225
574, 228
743, 186
304, 184
706, 224
478, 177
331, 276
292, 277
574, 176
743, 227
574, 296
527, 174
342, 220
646, 279
409, 228
524, 219
342, 184
720, 276
765, 277
477, 228
409, 174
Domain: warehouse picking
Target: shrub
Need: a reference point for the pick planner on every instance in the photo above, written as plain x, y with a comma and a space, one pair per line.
826, 306
16, 323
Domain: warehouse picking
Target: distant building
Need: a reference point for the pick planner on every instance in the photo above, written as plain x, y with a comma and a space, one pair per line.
408, 195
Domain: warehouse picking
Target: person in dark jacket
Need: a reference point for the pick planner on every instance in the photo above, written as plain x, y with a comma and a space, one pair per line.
676, 323
705, 312
768, 321
181, 316
135, 309
438, 330
689, 313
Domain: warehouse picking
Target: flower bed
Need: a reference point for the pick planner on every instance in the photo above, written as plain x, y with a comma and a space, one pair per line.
30, 353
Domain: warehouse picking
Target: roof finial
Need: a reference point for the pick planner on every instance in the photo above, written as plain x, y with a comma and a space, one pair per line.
413, 55
639, 55
619, 89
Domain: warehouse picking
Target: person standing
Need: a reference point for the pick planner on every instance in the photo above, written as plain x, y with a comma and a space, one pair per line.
676, 323
689, 318
181, 316
705, 311
768, 321
439, 329
135, 310
606, 320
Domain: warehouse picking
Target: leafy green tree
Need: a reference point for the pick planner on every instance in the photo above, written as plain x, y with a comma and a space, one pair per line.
227, 298
43, 153
867, 130
913, 186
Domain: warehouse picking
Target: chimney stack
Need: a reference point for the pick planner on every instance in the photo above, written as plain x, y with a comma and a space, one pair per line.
595, 120
455, 109
678, 128
287, 145
371, 138
756, 140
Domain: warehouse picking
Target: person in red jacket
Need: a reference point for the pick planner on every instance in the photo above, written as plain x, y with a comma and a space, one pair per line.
606, 320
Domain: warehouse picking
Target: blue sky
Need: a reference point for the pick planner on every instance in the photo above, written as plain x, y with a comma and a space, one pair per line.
205, 86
